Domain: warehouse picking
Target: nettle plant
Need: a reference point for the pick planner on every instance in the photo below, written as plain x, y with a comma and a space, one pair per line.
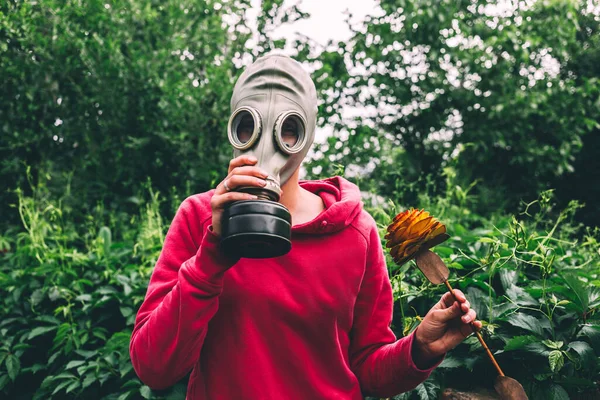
534, 280
71, 290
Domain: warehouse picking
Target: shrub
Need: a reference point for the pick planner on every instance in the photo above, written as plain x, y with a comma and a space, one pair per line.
534, 280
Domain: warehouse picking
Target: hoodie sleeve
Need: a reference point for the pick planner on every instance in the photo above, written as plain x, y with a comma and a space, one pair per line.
384, 366
182, 297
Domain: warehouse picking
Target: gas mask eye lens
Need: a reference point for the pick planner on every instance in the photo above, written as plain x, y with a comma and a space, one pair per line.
244, 128
290, 132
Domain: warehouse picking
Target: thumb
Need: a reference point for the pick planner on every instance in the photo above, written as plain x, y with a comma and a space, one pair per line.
448, 314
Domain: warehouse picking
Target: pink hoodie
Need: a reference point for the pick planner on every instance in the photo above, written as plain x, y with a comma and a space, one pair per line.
312, 324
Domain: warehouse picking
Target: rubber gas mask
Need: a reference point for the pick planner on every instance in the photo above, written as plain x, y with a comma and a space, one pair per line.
273, 118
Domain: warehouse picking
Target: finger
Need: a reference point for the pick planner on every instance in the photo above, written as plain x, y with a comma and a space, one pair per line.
241, 161
219, 201
478, 325
460, 296
237, 181
248, 170
469, 317
465, 306
231, 183
447, 314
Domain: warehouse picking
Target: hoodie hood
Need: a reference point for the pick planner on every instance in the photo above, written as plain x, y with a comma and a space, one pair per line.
342, 205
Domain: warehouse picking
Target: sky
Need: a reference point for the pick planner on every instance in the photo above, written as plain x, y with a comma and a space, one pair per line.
327, 21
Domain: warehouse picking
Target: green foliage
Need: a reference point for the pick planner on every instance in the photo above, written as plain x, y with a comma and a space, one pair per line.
464, 109
72, 292
506, 94
113, 92
534, 284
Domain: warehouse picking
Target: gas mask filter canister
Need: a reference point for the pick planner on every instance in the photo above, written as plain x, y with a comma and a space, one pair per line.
273, 118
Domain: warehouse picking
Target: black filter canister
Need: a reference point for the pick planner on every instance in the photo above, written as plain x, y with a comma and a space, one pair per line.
256, 229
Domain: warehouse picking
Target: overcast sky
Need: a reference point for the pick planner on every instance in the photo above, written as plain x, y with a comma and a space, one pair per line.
327, 18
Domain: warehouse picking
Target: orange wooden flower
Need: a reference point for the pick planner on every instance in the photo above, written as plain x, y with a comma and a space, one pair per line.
411, 231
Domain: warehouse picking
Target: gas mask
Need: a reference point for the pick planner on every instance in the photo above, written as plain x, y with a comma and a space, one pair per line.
273, 118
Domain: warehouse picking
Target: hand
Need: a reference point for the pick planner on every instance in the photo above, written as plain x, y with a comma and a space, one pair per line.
445, 326
241, 173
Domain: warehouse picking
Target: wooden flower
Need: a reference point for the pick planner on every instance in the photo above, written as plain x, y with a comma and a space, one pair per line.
411, 231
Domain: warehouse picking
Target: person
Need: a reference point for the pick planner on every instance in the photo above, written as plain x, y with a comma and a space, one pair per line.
311, 324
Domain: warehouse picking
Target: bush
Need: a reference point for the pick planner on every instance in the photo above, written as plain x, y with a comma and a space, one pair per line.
72, 291
533, 279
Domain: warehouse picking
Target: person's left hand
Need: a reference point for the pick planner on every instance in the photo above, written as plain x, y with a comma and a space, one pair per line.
445, 326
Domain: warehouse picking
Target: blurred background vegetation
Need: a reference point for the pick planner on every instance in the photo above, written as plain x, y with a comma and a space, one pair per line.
487, 113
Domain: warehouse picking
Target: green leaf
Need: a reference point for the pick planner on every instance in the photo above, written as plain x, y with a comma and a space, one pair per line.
13, 366
106, 236
40, 330
73, 364
61, 386
86, 353
578, 293
146, 392
556, 392
508, 278
556, 360
585, 352
553, 345
178, 392
526, 322
592, 332
518, 342
88, 380
450, 362
73, 386
3, 381
427, 390
126, 311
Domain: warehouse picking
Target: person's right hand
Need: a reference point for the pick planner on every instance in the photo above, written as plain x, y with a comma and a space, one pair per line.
241, 173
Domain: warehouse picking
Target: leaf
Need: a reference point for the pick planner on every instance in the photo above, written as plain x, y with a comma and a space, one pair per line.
508, 278
61, 386
592, 332
146, 392
585, 352
3, 381
519, 342
178, 392
450, 362
13, 366
126, 311
578, 293
36, 297
556, 360
73, 364
89, 379
73, 386
86, 353
520, 296
106, 236
427, 390
553, 345
40, 330
526, 322
84, 297
556, 392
